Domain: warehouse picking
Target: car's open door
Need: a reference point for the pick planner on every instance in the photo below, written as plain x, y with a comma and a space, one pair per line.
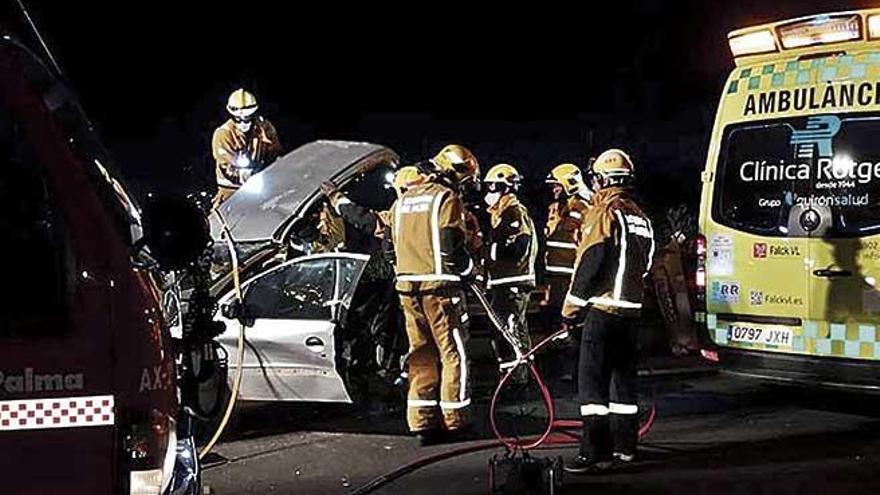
290, 350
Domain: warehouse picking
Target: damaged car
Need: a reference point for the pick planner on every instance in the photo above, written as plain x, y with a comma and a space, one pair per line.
323, 320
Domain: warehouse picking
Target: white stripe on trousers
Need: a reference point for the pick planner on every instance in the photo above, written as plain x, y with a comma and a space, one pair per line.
594, 410
617, 408
455, 405
462, 358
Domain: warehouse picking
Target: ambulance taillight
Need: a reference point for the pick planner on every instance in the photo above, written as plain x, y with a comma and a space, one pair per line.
701, 268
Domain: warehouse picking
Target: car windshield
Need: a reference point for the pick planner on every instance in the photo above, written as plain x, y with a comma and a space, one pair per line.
770, 173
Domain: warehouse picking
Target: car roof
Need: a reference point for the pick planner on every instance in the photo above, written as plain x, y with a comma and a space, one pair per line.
272, 198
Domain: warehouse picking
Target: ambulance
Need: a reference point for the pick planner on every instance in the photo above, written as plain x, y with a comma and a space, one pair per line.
789, 251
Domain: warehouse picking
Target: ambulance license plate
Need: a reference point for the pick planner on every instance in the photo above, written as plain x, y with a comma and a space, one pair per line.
775, 336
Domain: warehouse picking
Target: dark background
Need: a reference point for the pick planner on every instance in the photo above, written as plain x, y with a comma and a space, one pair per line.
533, 84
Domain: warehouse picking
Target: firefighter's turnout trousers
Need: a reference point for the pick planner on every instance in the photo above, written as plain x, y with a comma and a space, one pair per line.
437, 327
511, 304
607, 385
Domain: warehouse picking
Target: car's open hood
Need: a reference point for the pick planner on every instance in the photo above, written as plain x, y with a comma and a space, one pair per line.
261, 209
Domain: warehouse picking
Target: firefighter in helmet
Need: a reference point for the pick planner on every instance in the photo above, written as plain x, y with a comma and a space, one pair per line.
243, 145
571, 201
509, 257
365, 219
571, 198
428, 229
614, 253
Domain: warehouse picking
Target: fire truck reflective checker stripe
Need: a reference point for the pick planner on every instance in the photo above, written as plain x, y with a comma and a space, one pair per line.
59, 412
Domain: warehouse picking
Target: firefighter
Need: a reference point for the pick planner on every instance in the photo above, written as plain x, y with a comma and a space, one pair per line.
365, 219
615, 249
571, 201
369, 221
510, 260
243, 145
429, 235
330, 231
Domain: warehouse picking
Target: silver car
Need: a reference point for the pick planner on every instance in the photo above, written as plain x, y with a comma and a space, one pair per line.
318, 322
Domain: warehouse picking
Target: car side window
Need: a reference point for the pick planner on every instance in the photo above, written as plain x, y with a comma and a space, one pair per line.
348, 271
302, 290
35, 250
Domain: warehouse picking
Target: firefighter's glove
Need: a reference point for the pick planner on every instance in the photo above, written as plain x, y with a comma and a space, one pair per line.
571, 335
330, 190
468, 279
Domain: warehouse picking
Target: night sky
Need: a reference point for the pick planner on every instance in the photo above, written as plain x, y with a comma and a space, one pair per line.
532, 85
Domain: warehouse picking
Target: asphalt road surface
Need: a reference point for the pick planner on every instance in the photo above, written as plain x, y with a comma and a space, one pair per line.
714, 434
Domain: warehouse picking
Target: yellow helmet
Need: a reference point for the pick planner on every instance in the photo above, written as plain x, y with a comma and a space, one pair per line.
406, 177
242, 105
457, 161
569, 176
613, 163
503, 173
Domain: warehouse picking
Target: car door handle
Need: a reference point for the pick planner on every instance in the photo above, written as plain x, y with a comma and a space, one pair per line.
315, 344
829, 273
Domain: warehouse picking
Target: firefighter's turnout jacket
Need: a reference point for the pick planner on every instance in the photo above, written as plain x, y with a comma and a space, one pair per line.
614, 253
513, 245
260, 144
429, 235
563, 224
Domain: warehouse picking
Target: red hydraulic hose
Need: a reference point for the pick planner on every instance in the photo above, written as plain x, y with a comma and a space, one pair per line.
546, 397
549, 442
544, 439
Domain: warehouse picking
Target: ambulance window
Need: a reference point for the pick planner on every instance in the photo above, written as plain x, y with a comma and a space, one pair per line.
299, 291
752, 192
36, 257
854, 202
